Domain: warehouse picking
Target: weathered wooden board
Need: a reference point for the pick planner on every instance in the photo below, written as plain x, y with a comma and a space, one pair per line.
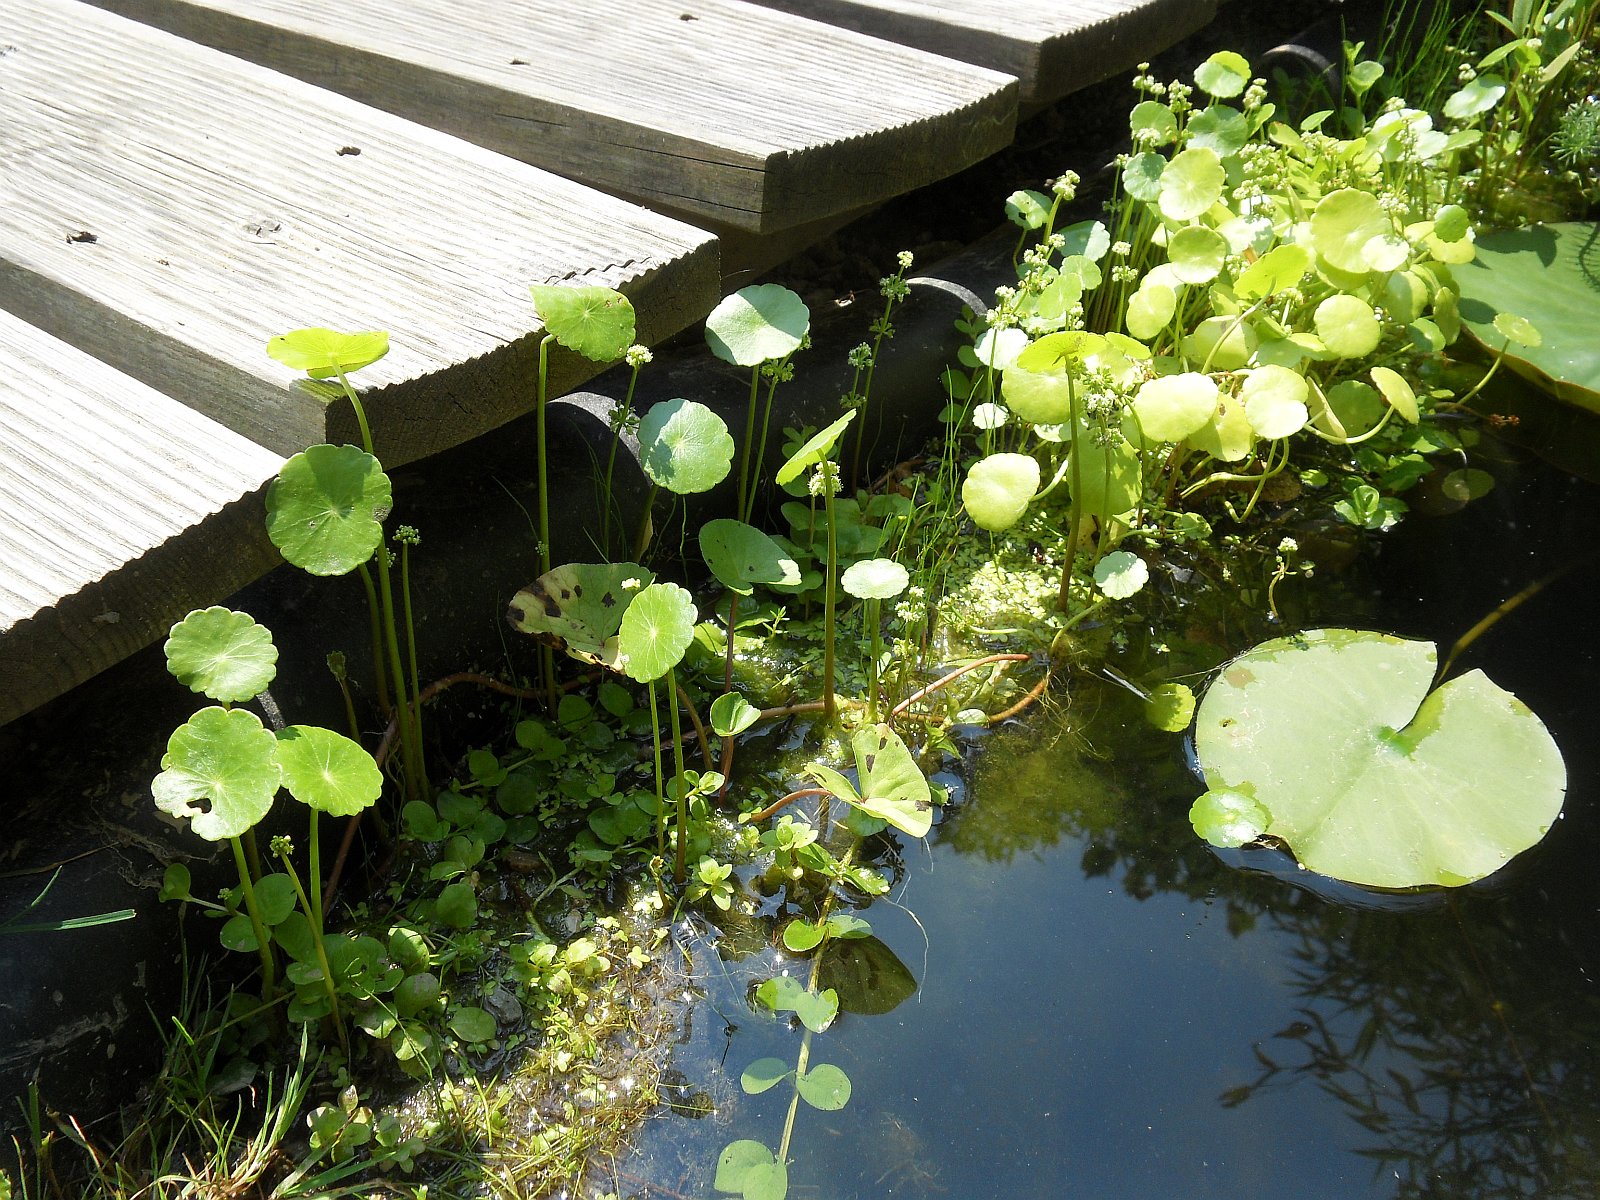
120, 509
1053, 47
723, 110
168, 208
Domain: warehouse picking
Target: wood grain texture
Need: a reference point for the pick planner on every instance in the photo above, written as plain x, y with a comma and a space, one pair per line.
120, 509
726, 111
1053, 47
168, 208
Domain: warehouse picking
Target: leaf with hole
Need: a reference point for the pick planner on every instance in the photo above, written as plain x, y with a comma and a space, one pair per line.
326, 508
1367, 774
597, 322
222, 654
220, 772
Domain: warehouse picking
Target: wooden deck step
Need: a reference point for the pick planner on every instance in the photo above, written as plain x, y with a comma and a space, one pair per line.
725, 111
1053, 48
168, 208
120, 509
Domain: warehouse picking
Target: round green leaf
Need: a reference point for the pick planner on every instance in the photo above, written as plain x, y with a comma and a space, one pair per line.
656, 631
1517, 330
222, 654
1028, 208
597, 322
750, 1170
824, 1087
1347, 326
732, 714
875, 579
326, 508
1038, 397
1152, 124
1150, 308
1477, 97
998, 488
1170, 707
684, 446
763, 1075
1367, 775
1191, 183
457, 905
1121, 574
1220, 129
1228, 819
1397, 392
1343, 223
321, 353
474, 1025
1228, 435
1224, 75
1171, 407
1451, 223
801, 935
275, 898
741, 556
1224, 343
757, 324
1279, 268
818, 447
327, 771
220, 772
1275, 401
1196, 253
1141, 177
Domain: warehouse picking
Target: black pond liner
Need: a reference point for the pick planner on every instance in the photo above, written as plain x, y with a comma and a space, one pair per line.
1108, 1007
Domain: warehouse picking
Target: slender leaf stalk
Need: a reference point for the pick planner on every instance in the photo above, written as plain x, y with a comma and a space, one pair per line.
680, 863
269, 973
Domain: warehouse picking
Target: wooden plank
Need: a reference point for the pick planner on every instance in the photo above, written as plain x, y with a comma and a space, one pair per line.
718, 109
120, 509
1052, 48
168, 208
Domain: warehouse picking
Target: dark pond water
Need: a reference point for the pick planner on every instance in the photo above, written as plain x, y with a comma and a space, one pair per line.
1108, 1008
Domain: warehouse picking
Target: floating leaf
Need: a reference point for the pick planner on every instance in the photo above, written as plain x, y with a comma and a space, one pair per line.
875, 579
1369, 776
763, 1075
656, 631
684, 446
998, 488
749, 1169
741, 556
579, 606
1170, 707
801, 936
824, 1087
222, 654
321, 353
326, 508
817, 447
1517, 330
327, 771
1228, 819
757, 324
596, 322
1121, 574
220, 772
816, 1010
1171, 407
868, 977
474, 1025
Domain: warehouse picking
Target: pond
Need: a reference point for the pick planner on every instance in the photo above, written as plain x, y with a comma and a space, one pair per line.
1107, 1006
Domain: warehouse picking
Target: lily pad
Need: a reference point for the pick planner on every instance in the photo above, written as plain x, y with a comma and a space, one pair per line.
220, 772
222, 654
597, 322
746, 1168
684, 446
1548, 275
1367, 775
578, 607
757, 324
326, 508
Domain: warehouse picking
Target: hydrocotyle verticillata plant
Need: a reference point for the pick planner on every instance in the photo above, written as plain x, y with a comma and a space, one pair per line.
1332, 742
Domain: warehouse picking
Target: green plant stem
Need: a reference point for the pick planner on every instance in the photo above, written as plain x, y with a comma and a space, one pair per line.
748, 510
661, 799
269, 973
375, 630
1074, 521
314, 913
611, 459
727, 686
745, 484
409, 755
411, 656
830, 706
680, 862
872, 607
547, 656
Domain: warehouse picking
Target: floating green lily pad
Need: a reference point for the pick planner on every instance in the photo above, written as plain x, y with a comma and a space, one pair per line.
1367, 775
1548, 275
